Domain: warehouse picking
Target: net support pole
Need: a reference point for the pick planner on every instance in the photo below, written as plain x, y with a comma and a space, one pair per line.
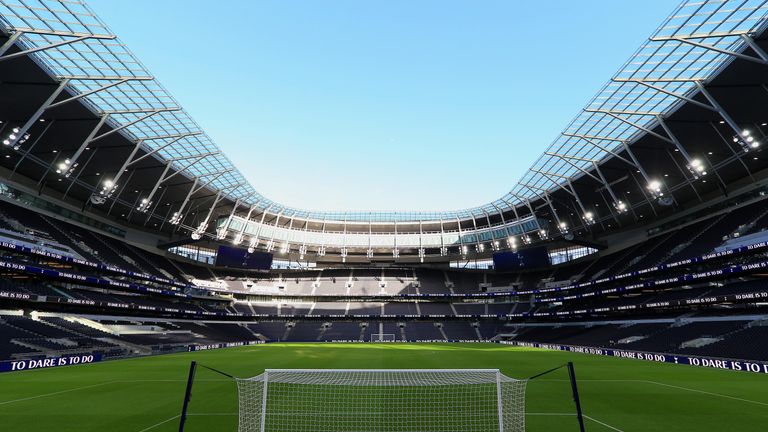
575, 389
187, 395
499, 402
264, 401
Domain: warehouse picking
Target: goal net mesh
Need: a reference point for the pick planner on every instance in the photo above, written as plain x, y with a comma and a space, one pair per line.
381, 400
382, 337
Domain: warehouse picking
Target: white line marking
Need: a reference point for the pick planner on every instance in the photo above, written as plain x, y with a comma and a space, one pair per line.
161, 423
56, 393
95, 385
671, 386
601, 423
173, 380
211, 414
709, 393
551, 414
590, 380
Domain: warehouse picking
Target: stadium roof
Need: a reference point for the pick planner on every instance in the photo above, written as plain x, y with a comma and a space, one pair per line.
690, 47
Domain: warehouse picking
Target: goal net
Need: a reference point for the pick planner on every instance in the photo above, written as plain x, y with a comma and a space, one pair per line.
382, 337
399, 400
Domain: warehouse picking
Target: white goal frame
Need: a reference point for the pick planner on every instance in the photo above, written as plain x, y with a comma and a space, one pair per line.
475, 400
380, 337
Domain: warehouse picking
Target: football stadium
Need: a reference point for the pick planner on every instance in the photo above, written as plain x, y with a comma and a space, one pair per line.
148, 284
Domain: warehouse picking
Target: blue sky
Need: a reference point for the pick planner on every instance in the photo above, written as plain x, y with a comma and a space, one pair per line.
383, 105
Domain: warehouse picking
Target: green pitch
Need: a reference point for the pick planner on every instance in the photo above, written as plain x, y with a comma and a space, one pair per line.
145, 394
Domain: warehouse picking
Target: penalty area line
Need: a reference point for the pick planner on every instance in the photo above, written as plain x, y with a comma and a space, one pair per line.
550, 414
56, 393
601, 423
665, 385
709, 393
161, 423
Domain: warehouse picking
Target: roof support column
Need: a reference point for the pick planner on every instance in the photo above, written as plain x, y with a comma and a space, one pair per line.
255, 237
728, 119
14, 142
68, 165
618, 205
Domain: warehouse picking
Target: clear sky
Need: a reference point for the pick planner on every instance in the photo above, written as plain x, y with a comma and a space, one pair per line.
383, 105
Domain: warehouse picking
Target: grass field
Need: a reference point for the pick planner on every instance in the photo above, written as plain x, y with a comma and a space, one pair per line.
145, 394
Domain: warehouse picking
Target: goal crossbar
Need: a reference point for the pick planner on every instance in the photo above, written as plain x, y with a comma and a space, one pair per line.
379, 400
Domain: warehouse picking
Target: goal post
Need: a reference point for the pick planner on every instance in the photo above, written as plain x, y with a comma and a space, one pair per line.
382, 337
373, 400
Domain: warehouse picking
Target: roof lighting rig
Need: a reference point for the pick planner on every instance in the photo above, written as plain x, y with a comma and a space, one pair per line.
746, 141
655, 189
108, 188
252, 244
588, 218
15, 138
697, 168
239, 237
144, 205
198, 233
620, 206
66, 167
176, 218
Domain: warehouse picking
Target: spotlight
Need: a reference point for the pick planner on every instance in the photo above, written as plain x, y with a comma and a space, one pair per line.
200, 230
238, 239
252, 244
746, 141
527, 239
654, 187
108, 187
620, 206
543, 234
144, 205
589, 218
176, 218
302, 251
696, 168
512, 243
66, 167
221, 233
562, 227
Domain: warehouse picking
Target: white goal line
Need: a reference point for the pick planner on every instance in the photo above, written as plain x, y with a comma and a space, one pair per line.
382, 370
